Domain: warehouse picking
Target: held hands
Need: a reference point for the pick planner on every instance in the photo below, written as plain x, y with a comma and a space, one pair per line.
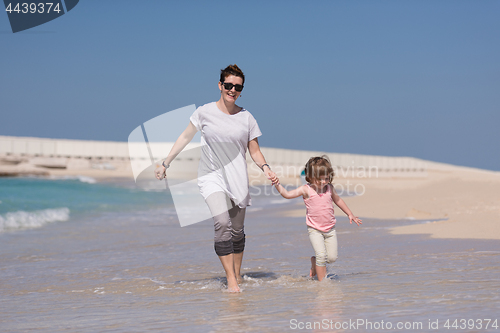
276, 182
160, 172
356, 219
271, 176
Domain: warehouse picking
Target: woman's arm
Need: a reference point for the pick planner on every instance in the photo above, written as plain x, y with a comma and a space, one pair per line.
258, 158
179, 145
342, 205
297, 192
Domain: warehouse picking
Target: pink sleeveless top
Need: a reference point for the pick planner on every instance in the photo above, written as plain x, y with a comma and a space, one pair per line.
320, 215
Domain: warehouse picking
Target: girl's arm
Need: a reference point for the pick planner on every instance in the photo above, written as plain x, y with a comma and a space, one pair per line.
342, 205
299, 191
258, 158
178, 146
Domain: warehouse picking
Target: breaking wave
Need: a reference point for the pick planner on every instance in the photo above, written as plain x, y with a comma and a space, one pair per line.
36, 219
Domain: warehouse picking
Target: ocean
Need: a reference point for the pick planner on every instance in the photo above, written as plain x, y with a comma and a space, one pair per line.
85, 256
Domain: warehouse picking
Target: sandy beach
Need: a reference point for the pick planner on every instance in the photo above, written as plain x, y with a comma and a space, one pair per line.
455, 203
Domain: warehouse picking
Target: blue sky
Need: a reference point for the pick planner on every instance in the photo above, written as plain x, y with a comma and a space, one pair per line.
396, 78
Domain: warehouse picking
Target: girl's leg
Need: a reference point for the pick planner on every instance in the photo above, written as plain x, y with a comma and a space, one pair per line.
321, 271
312, 272
318, 244
331, 246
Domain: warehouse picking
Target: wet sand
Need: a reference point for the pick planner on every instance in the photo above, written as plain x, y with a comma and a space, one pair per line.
140, 271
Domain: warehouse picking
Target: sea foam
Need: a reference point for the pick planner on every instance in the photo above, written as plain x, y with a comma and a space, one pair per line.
83, 179
36, 219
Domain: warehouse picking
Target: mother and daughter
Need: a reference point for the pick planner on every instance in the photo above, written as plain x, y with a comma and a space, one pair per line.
228, 131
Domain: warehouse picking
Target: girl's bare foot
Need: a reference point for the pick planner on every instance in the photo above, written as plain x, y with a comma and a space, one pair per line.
239, 279
312, 272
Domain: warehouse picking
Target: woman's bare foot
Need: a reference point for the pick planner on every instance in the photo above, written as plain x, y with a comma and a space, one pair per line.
239, 279
312, 272
228, 264
232, 286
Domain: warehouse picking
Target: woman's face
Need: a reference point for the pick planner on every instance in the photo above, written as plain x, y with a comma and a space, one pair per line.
231, 95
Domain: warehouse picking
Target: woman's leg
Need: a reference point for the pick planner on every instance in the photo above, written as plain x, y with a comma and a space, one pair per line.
223, 243
227, 262
238, 259
237, 216
217, 203
229, 235
318, 244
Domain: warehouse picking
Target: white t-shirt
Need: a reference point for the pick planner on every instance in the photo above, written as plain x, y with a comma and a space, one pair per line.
224, 141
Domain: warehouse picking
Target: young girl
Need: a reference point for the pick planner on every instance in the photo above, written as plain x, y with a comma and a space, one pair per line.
319, 196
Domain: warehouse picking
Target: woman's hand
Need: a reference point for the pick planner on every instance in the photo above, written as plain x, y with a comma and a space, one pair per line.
160, 172
271, 175
356, 219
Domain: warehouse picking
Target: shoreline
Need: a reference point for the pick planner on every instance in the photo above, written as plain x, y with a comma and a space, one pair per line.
457, 202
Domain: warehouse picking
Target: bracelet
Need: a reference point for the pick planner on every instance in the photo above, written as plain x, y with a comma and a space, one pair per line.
165, 166
262, 167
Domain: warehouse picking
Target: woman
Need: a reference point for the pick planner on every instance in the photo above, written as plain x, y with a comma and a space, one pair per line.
227, 131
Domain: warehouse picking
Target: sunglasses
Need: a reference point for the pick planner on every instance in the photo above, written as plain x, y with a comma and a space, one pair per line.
229, 86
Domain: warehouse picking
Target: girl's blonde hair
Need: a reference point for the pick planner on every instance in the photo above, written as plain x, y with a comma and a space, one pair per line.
319, 166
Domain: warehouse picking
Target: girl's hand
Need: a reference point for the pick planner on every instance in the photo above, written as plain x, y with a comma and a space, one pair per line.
271, 176
356, 219
160, 172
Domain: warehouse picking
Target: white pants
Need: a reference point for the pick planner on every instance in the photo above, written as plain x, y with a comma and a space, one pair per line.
324, 245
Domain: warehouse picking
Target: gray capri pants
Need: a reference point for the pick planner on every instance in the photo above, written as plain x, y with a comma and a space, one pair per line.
228, 224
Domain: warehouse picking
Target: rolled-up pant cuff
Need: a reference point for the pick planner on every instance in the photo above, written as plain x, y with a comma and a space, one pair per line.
224, 248
239, 246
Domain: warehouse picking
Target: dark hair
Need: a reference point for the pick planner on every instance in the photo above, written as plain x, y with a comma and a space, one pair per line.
231, 70
319, 166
